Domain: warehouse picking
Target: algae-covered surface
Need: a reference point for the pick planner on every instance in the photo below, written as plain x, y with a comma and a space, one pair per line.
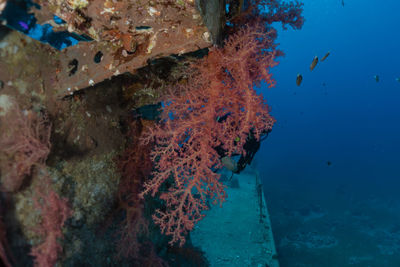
239, 232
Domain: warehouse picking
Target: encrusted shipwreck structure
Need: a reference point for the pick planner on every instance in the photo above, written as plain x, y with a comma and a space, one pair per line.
86, 92
126, 36
115, 116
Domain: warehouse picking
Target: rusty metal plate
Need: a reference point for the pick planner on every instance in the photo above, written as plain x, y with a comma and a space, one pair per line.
127, 35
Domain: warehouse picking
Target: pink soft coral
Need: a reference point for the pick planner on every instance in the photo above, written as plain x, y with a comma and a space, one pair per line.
24, 143
54, 212
269, 11
284, 12
216, 107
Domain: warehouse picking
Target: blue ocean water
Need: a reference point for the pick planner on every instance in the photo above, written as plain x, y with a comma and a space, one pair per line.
331, 165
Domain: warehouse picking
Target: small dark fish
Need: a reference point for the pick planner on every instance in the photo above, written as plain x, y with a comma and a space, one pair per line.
343, 3
326, 55
314, 63
376, 77
329, 163
398, 79
299, 79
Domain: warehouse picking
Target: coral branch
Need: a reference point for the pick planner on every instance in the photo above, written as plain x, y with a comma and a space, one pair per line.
54, 212
24, 142
286, 13
269, 11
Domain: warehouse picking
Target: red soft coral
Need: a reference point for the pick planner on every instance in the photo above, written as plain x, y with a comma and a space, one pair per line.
217, 107
269, 11
24, 142
54, 212
284, 12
